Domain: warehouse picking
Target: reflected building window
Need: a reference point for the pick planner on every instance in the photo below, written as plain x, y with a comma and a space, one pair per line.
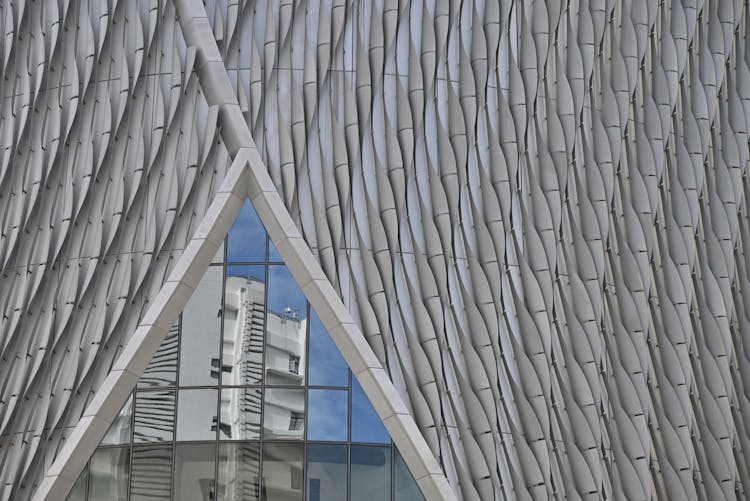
194, 472
326, 472
244, 320
282, 472
119, 430
108, 474
151, 473
240, 413
162, 370
286, 329
196, 416
153, 420
370, 472
284, 414
201, 324
239, 472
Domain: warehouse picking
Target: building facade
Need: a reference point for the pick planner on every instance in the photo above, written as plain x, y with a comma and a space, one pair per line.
389, 249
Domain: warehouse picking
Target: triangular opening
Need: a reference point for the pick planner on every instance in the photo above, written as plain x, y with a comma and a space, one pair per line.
247, 398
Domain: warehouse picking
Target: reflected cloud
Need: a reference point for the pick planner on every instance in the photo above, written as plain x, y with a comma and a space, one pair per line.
327, 415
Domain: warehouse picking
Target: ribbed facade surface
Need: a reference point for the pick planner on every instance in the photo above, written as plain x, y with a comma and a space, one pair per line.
536, 211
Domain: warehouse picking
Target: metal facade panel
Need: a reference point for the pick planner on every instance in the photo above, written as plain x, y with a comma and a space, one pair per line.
535, 212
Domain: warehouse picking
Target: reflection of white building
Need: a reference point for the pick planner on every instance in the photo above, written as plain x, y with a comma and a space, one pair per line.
244, 313
239, 471
242, 364
285, 348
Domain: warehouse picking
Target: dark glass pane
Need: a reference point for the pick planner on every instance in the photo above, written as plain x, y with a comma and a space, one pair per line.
286, 329
78, 492
196, 414
108, 474
326, 472
404, 486
244, 319
154, 416
327, 366
327, 415
366, 424
239, 471
119, 430
282, 472
201, 324
247, 237
371, 472
240, 413
151, 474
284, 414
162, 370
194, 472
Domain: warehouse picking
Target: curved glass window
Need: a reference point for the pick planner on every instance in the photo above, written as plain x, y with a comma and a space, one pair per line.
248, 398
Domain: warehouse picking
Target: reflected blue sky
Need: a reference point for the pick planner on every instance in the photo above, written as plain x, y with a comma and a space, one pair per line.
283, 291
247, 237
327, 415
366, 424
327, 366
256, 272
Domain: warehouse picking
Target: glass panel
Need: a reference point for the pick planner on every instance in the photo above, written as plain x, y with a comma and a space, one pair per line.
366, 424
239, 471
119, 430
326, 472
78, 492
327, 366
240, 413
371, 472
108, 474
196, 414
404, 486
327, 415
247, 237
151, 474
244, 318
201, 323
286, 328
154, 416
162, 370
282, 472
194, 472
284, 414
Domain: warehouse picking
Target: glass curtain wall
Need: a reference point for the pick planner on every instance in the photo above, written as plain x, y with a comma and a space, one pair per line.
247, 399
